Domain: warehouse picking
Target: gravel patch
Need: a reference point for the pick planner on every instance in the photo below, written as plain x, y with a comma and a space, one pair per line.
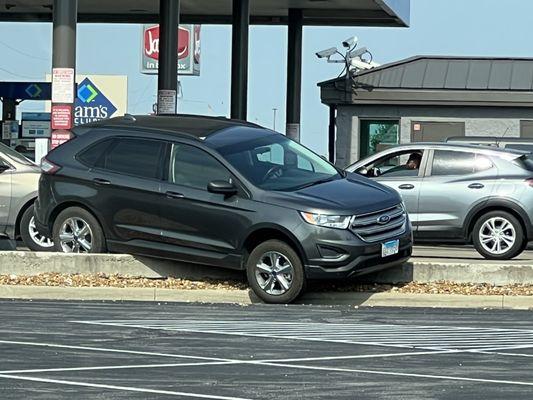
104, 280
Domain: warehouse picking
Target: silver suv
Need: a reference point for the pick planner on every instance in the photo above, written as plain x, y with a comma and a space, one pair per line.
19, 180
461, 193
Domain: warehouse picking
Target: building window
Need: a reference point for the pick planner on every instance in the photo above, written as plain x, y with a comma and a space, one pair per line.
377, 135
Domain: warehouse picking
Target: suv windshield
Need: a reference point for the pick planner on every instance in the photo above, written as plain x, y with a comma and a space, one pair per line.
14, 155
274, 162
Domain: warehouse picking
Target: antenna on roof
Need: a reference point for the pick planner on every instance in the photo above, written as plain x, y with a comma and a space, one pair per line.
129, 117
504, 133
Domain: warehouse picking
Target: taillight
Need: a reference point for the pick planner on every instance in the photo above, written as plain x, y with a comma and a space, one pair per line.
529, 182
48, 167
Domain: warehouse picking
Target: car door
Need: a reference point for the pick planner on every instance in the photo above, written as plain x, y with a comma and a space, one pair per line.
5, 192
456, 180
202, 227
126, 184
394, 170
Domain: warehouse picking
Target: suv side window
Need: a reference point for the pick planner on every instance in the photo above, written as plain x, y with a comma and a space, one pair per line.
405, 163
90, 156
132, 156
447, 162
193, 167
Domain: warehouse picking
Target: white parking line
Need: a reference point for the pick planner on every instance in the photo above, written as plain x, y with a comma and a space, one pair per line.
405, 374
328, 358
113, 367
124, 388
102, 349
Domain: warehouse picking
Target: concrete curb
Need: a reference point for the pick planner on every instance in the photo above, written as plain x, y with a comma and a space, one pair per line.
364, 299
478, 271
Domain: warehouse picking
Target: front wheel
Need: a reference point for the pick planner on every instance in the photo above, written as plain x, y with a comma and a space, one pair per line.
275, 272
498, 235
77, 231
29, 234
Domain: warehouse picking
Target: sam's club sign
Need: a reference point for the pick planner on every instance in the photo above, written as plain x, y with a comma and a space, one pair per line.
91, 104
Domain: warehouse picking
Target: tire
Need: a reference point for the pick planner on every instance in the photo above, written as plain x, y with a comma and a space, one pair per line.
288, 260
488, 233
28, 232
77, 231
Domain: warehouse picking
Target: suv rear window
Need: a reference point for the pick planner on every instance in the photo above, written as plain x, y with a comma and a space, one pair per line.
94, 153
458, 163
137, 157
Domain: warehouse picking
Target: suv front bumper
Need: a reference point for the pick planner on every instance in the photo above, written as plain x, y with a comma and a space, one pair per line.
338, 254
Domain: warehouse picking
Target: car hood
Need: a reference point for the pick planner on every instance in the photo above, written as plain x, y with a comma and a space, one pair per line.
351, 195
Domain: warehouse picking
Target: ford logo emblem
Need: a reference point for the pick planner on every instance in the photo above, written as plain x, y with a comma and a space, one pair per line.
383, 219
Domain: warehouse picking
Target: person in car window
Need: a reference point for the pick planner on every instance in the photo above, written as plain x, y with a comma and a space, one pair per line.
410, 168
414, 161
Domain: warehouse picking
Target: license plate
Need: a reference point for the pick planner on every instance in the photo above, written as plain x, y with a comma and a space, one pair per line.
390, 248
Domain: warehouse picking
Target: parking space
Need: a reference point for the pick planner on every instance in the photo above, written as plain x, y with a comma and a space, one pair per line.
144, 350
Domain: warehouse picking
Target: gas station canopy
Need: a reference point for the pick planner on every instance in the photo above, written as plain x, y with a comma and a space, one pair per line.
314, 12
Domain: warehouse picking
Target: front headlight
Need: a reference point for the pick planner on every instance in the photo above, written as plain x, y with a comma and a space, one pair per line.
328, 221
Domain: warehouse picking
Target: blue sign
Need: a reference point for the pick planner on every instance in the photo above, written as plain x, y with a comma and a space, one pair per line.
26, 90
35, 116
91, 104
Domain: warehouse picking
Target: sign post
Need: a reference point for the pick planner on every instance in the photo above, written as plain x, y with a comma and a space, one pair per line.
65, 18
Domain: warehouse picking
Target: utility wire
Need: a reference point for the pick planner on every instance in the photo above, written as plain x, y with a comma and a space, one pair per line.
23, 53
19, 75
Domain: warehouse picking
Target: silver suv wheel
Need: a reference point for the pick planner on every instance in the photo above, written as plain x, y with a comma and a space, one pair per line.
274, 273
497, 235
75, 236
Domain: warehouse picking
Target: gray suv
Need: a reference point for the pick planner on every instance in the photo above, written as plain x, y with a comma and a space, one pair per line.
461, 193
19, 178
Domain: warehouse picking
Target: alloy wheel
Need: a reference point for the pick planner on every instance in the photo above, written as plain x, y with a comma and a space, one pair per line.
274, 273
75, 236
39, 239
497, 235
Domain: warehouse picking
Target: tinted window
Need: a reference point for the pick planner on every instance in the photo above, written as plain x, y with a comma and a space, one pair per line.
190, 166
138, 157
458, 163
92, 155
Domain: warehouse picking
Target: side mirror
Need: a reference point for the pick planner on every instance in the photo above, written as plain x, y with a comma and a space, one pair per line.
222, 187
3, 168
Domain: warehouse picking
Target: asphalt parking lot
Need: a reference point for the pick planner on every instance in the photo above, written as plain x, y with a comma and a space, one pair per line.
66, 350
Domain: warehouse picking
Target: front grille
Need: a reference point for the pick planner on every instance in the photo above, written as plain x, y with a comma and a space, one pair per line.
392, 222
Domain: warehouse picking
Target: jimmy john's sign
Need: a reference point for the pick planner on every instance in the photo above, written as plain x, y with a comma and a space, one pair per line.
188, 49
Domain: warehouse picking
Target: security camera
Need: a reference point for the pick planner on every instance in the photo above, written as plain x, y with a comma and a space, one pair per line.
357, 63
326, 53
358, 52
350, 42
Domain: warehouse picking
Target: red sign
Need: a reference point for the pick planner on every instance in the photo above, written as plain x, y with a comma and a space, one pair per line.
58, 138
151, 42
61, 117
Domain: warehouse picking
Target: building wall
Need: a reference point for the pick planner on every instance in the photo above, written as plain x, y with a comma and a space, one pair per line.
479, 121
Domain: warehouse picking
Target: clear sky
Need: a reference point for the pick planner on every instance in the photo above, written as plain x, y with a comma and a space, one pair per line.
438, 27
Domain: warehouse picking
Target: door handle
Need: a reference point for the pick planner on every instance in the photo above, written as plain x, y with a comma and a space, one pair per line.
101, 181
406, 186
174, 195
476, 186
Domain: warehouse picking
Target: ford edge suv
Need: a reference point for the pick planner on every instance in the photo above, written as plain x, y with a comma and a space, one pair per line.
218, 192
